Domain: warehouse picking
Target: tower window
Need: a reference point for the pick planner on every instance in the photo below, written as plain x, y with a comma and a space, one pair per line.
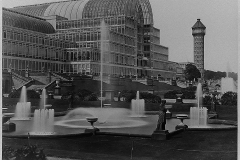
4, 35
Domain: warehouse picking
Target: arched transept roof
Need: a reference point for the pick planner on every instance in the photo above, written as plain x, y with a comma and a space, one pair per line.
20, 20
80, 9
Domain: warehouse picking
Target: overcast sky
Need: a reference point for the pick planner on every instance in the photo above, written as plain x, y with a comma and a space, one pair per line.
175, 18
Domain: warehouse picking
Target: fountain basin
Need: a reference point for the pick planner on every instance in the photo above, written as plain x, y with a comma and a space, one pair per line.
42, 133
81, 124
47, 106
21, 119
182, 116
127, 126
138, 116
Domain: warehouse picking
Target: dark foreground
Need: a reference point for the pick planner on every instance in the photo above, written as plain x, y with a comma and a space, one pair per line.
186, 145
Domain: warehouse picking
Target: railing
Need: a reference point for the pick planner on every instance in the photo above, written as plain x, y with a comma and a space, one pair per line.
61, 77
29, 83
164, 81
20, 77
50, 85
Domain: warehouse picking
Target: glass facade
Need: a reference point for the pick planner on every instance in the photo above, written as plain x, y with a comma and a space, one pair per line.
31, 48
72, 44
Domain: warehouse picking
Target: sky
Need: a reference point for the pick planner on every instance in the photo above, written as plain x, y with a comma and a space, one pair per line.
175, 18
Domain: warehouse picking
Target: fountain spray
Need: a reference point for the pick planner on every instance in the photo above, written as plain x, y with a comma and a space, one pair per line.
104, 36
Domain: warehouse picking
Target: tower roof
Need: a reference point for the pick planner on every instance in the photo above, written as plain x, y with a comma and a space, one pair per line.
198, 24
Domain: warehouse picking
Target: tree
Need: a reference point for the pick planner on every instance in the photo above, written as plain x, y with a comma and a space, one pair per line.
191, 72
218, 75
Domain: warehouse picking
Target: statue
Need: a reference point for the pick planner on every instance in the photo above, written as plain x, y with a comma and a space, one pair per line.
213, 113
213, 105
70, 100
160, 133
161, 116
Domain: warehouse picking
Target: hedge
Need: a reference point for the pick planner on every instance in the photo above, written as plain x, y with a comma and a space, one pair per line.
30, 94
229, 98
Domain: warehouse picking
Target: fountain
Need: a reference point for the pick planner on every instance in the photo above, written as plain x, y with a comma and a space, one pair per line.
104, 50
105, 118
43, 122
181, 125
138, 107
198, 115
92, 129
23, 107
43, 100
43, 118
227, 83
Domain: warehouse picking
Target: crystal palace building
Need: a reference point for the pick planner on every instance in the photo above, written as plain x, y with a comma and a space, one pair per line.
65, 38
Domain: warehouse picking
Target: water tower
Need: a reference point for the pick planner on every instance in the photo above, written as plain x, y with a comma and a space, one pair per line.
198, 32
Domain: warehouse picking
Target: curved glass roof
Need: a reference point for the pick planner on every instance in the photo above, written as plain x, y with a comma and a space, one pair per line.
147, 11
71, 10
107, 8
79, 9
23, 21
35, 10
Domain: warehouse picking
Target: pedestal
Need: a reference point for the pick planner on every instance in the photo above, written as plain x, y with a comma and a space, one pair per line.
8, 127
179, 100
50, 96
168, 115
109, 95
181, 125
184, 126
57, 90
160, 135
91, 130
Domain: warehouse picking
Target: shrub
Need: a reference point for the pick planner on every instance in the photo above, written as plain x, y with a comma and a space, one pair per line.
207, 100
81, 95
7, 153
30, 94
229, 98
192, 88
128, 95
70, 96
148, 97
91, 97
24, 153
187, 93
14, 94
171, 94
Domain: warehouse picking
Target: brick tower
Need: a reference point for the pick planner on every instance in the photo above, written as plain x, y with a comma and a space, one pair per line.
198, 32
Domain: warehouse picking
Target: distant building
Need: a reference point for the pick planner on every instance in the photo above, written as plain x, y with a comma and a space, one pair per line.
198, 32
